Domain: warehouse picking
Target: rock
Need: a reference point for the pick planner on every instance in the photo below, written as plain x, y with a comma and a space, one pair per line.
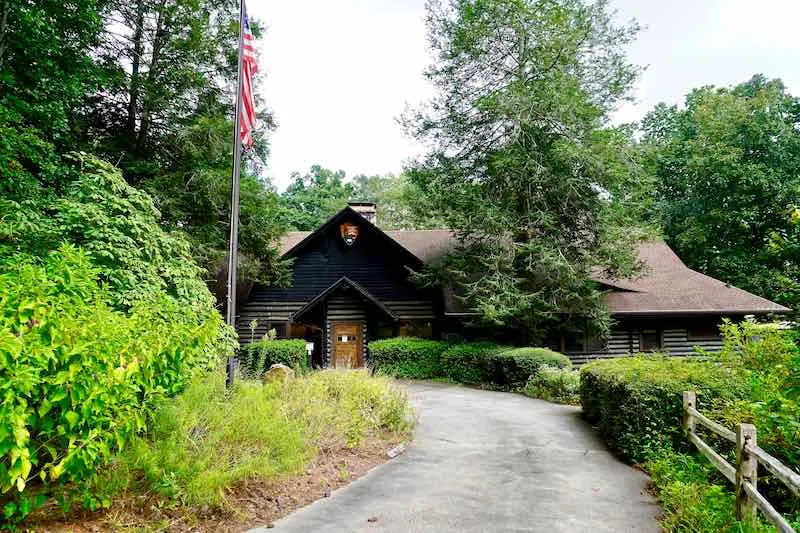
277, 372
397, 450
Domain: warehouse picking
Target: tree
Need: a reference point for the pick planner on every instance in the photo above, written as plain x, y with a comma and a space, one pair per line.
728, 175
399, 202
46, 72
518, 158
313, 198
166, 117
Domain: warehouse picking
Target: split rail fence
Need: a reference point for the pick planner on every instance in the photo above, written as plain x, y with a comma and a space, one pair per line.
744, 475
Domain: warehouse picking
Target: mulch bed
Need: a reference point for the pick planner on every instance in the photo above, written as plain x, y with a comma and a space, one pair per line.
255, 503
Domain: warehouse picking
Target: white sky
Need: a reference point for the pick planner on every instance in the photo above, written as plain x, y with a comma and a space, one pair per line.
339, 73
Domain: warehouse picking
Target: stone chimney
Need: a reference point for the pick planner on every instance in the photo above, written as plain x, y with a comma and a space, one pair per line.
366, 210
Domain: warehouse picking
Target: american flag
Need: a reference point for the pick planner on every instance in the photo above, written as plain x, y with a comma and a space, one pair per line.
247, 113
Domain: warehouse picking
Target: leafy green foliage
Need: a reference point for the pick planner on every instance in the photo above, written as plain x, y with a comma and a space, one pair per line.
560, 385
637, 402
486, 362
407, 357
519, 161
400, 203
313, 198
258, 356
695, 497
467, 362
727, 167
78, 376
207, 440
117, 226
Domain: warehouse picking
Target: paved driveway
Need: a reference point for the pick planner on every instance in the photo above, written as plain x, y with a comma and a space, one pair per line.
489, 462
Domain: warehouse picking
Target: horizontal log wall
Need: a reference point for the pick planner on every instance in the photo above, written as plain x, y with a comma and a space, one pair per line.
623, 342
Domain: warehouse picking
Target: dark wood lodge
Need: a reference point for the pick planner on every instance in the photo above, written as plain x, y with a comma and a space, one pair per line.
351, 285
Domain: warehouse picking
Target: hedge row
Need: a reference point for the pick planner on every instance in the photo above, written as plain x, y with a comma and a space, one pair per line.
408, 357
483, 362
474, 362
257, 357
637, 401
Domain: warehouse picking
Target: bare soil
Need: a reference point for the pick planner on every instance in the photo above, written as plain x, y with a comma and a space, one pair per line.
251, 504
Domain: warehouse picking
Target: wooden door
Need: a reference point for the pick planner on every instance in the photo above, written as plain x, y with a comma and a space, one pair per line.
347, 345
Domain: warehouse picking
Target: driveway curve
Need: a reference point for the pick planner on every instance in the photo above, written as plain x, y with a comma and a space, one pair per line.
489, 462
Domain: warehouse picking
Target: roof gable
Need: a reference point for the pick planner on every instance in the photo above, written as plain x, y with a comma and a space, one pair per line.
294, 242
666, 286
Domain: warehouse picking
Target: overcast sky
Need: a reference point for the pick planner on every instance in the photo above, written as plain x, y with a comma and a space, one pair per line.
339, 73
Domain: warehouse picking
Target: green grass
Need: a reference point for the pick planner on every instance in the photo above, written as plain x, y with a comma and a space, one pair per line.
208, 440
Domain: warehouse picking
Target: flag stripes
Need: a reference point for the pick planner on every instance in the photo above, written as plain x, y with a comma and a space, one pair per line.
247, 114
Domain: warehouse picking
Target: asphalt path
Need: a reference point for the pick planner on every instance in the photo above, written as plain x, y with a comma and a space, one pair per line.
486, 461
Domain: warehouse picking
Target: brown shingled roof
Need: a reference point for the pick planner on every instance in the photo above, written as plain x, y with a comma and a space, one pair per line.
667, 286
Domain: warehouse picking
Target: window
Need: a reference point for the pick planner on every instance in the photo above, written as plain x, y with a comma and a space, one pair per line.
703, 333
650, 340
584, 344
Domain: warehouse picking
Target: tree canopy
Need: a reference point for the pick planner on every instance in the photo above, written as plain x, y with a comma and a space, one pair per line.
727, 168
518, 164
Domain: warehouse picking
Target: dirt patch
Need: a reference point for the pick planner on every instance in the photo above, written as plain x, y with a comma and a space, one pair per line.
255, 503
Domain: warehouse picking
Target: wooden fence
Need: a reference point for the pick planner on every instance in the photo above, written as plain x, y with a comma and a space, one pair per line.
745, 474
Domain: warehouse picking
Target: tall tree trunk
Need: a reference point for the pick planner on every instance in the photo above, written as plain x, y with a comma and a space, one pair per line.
159, 42
4, 9
138, 47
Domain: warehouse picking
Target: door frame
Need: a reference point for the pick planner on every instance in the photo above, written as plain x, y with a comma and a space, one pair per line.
359, 345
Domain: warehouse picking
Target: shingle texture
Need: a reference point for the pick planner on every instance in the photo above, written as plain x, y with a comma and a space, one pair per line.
666, 286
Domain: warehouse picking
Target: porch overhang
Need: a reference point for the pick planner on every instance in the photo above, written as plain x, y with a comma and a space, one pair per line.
343, 283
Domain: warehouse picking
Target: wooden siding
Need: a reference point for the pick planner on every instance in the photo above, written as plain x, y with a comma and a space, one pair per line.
412, 309
264, 313
624, 342
676, 342
341, 308
374, 262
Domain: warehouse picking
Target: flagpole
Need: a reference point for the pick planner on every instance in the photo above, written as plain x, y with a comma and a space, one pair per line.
230, 315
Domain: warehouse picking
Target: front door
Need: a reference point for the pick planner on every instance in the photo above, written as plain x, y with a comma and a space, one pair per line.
347, 345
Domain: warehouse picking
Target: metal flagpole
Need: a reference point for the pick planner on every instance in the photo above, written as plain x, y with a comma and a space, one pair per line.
230, 316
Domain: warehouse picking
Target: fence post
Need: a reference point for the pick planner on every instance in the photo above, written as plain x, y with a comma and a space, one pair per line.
689, 400
746, 470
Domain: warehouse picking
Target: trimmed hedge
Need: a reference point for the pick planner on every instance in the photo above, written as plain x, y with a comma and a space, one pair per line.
468, 362
486, 362
637, 402
407, 357
259, 356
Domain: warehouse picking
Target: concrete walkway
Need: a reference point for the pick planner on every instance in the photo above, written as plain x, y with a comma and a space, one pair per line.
489, 462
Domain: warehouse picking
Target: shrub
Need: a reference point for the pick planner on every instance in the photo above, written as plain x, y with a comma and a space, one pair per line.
553, 384
257, 357
637, 401
486, 362
207, 440
79, 377
407, 357
468, 362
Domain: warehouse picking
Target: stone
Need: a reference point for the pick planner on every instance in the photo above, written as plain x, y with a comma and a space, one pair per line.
277, 372
397, 450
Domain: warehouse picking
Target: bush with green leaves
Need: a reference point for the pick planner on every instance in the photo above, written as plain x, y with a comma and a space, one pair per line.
637, 405
257, 357
637, 402
468, 362
102, 313
490, 363
78, 376
407, 357
560, 385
